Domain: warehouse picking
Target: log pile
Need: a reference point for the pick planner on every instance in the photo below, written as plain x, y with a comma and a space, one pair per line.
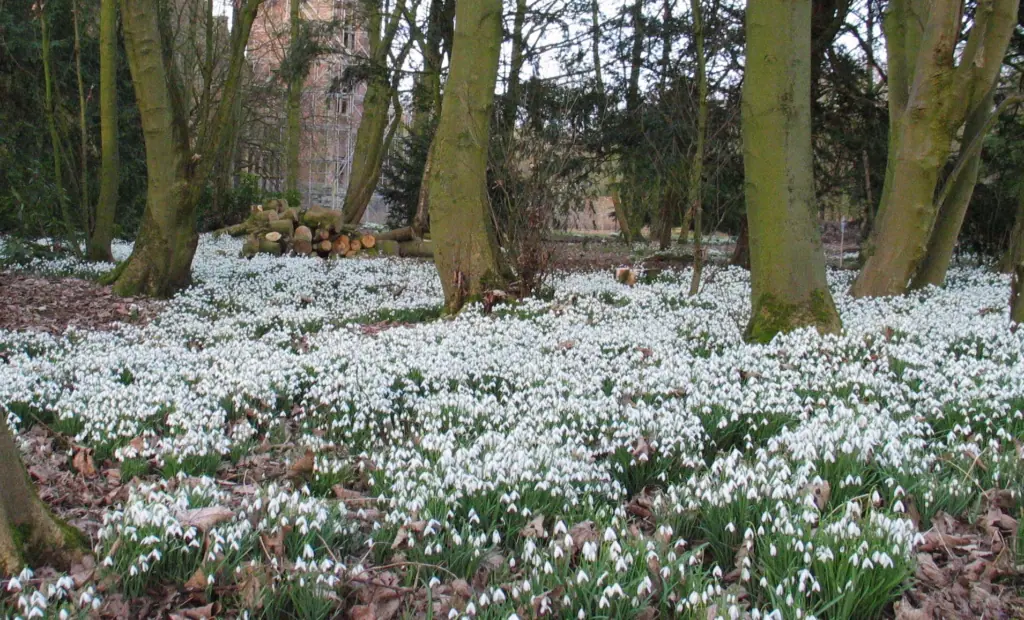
275, 228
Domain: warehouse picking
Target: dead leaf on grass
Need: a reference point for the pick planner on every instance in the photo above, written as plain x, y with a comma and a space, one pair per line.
205, 518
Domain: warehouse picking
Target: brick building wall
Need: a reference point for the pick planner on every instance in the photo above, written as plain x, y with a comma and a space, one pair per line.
330, 116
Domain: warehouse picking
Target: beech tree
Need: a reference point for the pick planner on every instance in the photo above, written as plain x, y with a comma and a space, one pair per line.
466, 248
161, 262
931, 95
29, 533
789, 289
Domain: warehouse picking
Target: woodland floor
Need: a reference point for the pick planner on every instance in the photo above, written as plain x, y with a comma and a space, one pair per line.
293, 438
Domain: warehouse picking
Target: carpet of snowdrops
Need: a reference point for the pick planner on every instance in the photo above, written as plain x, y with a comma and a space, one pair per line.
605, 451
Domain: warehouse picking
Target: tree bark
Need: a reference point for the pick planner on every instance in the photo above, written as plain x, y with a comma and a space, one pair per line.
294, 102
622, 217
438, 35
106, 206
930, 96
636, 57
51, 121
161, 262
427, 92
510, 104
956, 193
741, 253
1016, 296
697, 167
467, 255
1015, 250
595, 50
369, 151
789, 289
83, 132
29, 534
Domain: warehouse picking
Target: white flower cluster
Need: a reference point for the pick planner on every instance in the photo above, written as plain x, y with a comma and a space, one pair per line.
636, 409
56, 597
172, 529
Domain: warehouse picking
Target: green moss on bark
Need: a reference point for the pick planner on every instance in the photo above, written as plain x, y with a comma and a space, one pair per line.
772, 316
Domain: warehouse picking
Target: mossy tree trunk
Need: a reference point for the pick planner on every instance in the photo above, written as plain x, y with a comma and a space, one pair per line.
106, 206
956, 192
29, 534
370, 148
930, 95
789, 289
161, 261
466, 248
293, 107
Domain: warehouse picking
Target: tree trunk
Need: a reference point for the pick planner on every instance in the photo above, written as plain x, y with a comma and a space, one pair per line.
161, 262
294, 103
467, 255
1015, 250
29, 534
83, 132
1016, 296
741, 253
370, 148
789, 289
510, 104
930, 96
368, 154
954, 199
622, 217
106, 207
421, 221
595, 50
665, 216
636, 57
51, 121
427, 92
697, 168
438, 35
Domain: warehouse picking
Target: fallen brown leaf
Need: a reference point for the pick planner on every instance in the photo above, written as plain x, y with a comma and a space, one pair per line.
205, 518
82, 462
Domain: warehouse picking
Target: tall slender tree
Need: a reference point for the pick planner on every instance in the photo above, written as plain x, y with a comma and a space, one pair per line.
376, 127
789, 289
98, 247
466, 248
697, 166
296, 78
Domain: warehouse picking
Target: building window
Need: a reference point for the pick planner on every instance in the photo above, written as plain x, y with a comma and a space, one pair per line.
348, 39
340, 103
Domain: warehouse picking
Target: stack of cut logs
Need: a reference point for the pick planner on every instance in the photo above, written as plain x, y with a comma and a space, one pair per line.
275, 228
